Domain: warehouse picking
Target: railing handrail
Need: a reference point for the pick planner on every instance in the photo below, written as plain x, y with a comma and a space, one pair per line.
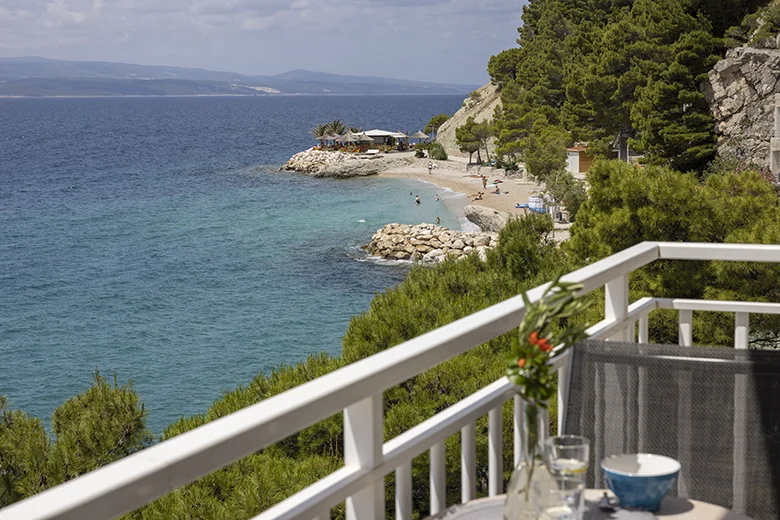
138, 479
682, 304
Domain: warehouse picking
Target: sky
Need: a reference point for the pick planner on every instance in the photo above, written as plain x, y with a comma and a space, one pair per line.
431, 40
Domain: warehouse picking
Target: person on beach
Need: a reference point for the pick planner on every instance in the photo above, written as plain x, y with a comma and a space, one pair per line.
417, 199
498, 190
484, 182
430, 167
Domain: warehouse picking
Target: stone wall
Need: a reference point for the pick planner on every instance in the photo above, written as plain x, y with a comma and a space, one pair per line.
428, 243
740, 90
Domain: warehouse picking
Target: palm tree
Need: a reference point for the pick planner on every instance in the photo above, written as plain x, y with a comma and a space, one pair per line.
355, 129
319, 130
337, 127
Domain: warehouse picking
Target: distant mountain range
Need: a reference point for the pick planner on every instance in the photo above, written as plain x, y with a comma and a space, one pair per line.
35, 77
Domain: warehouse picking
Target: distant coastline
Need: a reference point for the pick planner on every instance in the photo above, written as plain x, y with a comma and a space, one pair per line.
40, 77
110, 96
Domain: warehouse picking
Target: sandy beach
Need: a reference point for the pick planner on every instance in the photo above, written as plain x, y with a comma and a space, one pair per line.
452, 175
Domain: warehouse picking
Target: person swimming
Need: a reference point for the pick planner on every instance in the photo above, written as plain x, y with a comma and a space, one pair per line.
436, 197
417, 199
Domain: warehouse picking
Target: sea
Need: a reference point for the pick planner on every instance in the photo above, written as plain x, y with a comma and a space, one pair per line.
155, 239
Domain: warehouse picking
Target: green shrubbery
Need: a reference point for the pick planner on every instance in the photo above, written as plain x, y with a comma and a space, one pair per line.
758, 29
104, 424
435, 151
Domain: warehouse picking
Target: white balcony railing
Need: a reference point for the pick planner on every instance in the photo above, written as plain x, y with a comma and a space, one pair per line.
357, 391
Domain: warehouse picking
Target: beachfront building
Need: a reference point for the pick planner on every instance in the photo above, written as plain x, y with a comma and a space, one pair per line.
383, 137
578, 161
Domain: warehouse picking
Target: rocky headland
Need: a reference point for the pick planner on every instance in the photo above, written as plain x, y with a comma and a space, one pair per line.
321, 163
481, 106
428, 243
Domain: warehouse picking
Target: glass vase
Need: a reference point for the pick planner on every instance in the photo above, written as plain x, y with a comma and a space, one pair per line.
530, 473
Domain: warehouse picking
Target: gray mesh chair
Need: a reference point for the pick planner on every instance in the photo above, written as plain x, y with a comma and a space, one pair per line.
716, 410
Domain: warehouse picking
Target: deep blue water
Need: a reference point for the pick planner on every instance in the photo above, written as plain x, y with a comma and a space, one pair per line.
155, 237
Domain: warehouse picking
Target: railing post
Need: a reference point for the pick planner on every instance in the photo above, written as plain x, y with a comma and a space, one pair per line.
616, 304
741, 330
437, 478
644, 329
403, 492
495, 456
563, 393
518, 426
740, 479
686, 328
468, 463
685, 405
363, 437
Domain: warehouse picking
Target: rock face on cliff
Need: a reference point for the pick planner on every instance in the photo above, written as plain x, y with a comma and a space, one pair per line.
319, 163
489, 220
740, 91
481, 108
428, 243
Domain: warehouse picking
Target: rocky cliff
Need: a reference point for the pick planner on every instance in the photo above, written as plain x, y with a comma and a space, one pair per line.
428, 243
740, 90
480, 107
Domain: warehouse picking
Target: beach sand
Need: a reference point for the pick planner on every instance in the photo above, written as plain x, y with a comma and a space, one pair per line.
448, 174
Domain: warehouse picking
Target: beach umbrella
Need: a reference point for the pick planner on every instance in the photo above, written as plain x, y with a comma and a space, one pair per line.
363, 138
419, 135
349, 137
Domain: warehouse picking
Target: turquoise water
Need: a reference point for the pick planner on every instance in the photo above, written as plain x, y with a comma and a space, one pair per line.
156, 238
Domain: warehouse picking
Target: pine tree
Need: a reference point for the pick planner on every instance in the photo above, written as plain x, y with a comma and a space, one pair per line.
672, 115
502, 67
467, 140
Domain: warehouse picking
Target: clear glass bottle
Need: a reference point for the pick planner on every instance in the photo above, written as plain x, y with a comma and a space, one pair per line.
530, 473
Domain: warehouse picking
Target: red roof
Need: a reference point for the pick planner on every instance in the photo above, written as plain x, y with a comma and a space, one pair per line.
578, 149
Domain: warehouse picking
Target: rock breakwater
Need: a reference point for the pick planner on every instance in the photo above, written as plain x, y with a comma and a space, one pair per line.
428, 243
321, 163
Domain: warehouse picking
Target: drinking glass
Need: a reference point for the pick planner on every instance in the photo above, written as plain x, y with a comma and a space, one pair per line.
568, 456
564, 501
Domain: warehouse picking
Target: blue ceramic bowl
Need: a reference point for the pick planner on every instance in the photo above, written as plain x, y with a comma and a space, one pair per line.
640, 480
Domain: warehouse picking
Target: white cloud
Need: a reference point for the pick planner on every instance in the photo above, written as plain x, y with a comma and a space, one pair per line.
423, 35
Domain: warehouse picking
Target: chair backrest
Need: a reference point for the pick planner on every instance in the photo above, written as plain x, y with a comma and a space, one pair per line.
716, 410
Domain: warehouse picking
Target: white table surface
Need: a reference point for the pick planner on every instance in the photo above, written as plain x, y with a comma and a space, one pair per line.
671, 508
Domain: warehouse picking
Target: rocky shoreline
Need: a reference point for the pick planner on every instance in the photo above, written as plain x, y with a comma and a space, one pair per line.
428, 243
321, 163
